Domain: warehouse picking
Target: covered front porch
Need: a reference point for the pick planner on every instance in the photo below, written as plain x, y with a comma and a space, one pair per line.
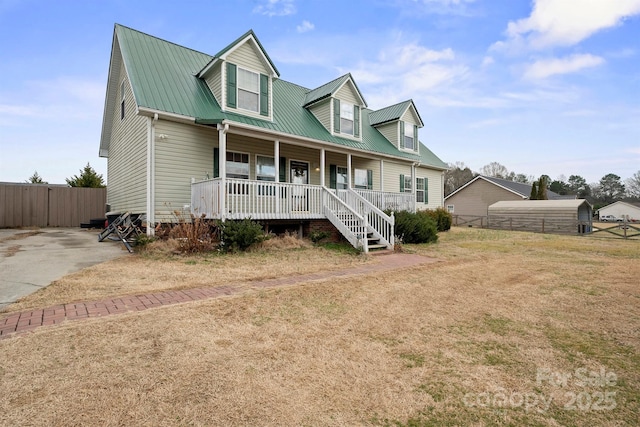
357, 214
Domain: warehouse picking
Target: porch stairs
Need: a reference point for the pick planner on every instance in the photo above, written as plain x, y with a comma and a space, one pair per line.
364, 225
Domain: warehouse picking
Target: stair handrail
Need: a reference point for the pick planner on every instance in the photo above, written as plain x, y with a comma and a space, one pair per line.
356, 240
389, 236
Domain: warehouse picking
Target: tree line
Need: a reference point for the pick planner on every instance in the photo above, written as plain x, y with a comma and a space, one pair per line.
88, 178
609, 189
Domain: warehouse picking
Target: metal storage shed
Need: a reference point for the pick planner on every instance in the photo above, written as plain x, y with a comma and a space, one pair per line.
545, 216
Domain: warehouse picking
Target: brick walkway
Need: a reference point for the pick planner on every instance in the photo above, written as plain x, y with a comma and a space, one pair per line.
25, 321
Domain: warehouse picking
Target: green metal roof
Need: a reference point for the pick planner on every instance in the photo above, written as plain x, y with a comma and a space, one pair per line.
329, 89
391, 113
163, 78
242, 37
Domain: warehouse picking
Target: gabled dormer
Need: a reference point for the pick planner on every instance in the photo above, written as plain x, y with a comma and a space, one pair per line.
399, 123
241, 76
338, 106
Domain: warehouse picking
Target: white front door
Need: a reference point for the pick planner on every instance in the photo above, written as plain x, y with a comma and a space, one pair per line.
299, 174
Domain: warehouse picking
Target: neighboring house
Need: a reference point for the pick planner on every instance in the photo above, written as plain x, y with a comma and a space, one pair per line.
621, 211
224, 136
475, 197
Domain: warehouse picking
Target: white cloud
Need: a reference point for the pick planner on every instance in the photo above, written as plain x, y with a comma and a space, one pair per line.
455, 7
487, 60
305, 26
275, 8
565, 22
548, 67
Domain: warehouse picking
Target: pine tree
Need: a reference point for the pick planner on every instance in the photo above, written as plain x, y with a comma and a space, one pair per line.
88, 178
542, 188
36, 179
534, 191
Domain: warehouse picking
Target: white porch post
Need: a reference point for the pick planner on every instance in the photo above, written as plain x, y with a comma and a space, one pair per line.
222, 167
276, 164
381, 175
413, 184
322, 167
349, 170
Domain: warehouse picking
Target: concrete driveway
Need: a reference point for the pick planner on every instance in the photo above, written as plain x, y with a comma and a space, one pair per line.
32, 259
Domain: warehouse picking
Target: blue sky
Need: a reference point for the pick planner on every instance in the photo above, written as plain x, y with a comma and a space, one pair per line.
543, 87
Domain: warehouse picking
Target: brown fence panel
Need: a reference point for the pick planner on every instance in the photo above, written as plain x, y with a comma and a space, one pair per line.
37, 205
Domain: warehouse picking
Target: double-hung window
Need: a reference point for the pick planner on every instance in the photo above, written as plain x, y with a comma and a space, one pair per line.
265, 168
409, 136
346, 118
248, 90
363, 179
420, 190
238, 168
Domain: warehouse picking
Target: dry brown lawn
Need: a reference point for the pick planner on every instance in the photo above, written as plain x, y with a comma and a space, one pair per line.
458, 342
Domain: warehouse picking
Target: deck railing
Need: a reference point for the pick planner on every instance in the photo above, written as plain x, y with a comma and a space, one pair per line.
349, 223
381, 224
389, 201
256, 199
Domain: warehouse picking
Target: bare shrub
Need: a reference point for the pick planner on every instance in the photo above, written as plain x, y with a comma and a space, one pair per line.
193, 234
284, 242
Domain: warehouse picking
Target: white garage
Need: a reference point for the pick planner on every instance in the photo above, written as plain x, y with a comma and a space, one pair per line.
622, 211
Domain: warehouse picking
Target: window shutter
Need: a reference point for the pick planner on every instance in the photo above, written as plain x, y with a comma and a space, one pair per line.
216, 163
231, 85
356, 120
401, 183
369, 179
426, 190
283, 169
264, 95
336, 115
401, 134
333, 176
415, 138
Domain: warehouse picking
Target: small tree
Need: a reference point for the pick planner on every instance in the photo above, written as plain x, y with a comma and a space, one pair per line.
542, 188
534, 191
36, 179
88, 178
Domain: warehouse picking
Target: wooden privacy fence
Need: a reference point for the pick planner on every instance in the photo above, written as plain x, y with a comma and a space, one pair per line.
43, 205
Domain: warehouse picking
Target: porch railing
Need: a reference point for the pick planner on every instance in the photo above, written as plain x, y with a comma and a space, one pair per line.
256, 199
389, 201
349, 223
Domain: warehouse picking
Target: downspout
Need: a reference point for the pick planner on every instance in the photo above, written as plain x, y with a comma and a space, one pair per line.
413, 186
222, 167
151, 174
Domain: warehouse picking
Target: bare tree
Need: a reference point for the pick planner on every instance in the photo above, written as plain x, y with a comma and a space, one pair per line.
633, 185
457, 176
497, 170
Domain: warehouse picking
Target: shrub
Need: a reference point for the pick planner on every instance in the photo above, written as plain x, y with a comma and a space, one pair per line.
239, 235
317, 236
442, 218
415, 227
193, 234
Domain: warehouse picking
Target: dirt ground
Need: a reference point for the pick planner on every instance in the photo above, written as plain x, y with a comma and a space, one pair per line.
507, 329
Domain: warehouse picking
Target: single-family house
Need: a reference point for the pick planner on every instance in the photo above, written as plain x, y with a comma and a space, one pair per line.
621, 211
224, 136
474, 198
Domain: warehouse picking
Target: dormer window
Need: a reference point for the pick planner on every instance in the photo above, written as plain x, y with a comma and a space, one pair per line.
409, 131
346, 118
248, 90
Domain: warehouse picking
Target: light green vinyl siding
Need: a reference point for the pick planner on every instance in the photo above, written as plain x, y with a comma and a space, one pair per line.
126, 166
410, 117
435, 188
246, 57
185, 152
348, 93
214, 81
392, 172
322, 112
390, 131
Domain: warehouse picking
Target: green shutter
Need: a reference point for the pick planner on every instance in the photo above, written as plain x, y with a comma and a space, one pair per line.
333, 176
216, 163
264, 95
369, 179
231, 85
426, 190
356, 120
336, 115
415, 138
401, 183
283, 169
401, 134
